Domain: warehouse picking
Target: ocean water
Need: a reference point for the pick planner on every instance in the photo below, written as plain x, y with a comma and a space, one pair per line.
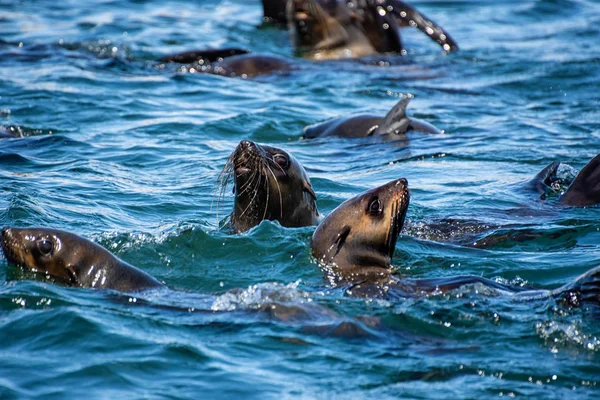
127, 154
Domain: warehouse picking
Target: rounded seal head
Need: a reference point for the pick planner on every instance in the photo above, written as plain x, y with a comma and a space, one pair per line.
357, 240
71, 259
269, 183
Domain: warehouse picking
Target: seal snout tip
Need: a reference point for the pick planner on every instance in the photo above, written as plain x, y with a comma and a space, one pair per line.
402, 181
246, 144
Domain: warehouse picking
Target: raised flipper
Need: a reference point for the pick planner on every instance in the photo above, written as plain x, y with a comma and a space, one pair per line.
397, 122
585, 189
543, 180
206, 55
408, 15
383, 31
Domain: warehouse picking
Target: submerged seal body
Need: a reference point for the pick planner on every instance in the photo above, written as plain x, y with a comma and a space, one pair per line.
72, 260
333, 29
393, 126
355, 244
270, 184
228, 62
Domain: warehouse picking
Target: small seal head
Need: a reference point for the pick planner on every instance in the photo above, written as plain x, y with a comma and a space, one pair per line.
269, 183
357, 240
71, 260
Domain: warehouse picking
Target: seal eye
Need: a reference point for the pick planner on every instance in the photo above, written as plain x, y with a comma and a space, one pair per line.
45, 246
374, 207
281, 160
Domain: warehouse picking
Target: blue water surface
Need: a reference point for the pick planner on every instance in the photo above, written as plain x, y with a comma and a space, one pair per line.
112, 147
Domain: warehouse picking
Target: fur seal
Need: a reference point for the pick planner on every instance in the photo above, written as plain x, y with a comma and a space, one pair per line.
270, 184
228, 62
355, 244
393, 126
334, 29
583, 191
72, 260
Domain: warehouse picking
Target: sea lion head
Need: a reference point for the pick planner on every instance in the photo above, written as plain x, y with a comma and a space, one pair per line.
318, 24
269, 183
357, 240
61, 255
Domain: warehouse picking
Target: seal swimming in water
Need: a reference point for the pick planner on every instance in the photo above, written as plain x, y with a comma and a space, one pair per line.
270, 184
336, 29
393, 126
583, 191
355, 244
228, 62
72, 260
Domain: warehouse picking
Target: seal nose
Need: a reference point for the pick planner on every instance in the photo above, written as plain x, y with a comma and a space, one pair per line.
246, 144
401, 181
5, 232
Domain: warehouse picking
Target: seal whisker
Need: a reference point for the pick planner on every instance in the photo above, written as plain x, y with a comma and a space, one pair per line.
246, 185
255, 189
268, 193
278, 189
222, 181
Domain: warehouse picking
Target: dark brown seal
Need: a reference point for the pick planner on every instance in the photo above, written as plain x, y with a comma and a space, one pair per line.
393, 126
356, 242
228, 62
269, 184
333, 29
583, 191
72, 260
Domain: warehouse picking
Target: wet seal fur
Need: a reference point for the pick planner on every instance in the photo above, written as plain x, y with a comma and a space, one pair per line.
356, 242
583, 191
269, 184
393, 126
72, 260
334, 29
228, 62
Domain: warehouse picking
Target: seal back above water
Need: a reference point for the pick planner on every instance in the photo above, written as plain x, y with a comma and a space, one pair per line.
393, 126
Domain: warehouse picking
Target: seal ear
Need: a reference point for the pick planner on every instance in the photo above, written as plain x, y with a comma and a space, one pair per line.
408, 15
341, 238
396, 120
307, 188
585, 189
544, 179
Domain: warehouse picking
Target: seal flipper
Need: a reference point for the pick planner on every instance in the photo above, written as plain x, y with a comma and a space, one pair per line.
585, 189
206, 55
395, 121
383, 31
543, 179
408, 15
